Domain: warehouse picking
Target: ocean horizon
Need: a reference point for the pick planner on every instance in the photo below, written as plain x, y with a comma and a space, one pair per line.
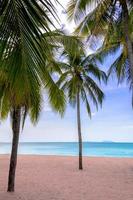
99, 149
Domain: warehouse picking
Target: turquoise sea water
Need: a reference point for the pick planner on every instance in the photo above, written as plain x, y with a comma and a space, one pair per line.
107, 149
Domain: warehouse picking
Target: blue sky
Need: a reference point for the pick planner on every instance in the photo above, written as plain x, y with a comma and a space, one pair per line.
114, 122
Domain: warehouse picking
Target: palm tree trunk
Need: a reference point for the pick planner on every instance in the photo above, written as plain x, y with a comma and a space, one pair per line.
13, 160
127, 35
79, 132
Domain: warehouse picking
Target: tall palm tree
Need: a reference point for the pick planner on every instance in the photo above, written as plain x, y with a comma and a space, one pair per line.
99, 17
78, 83
23, 57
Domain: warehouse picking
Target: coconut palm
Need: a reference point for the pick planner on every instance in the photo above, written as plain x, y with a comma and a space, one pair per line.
25, 101
18, 106
23, 57
99, 17
113, 44
78, 83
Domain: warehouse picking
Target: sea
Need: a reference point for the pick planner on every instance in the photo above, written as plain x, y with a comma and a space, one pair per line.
100, 149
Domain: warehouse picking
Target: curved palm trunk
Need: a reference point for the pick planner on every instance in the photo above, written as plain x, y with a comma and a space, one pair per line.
127, 35
79, 132
13, 160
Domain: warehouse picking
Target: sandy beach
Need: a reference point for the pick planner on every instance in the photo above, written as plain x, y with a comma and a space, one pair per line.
58, 178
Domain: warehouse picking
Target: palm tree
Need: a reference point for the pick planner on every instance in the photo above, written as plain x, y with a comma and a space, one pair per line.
21, 98
115, 44
23, 58
18, 106
77, 81
99, 17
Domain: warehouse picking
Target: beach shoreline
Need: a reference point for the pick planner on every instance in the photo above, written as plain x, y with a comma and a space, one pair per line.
58, 178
